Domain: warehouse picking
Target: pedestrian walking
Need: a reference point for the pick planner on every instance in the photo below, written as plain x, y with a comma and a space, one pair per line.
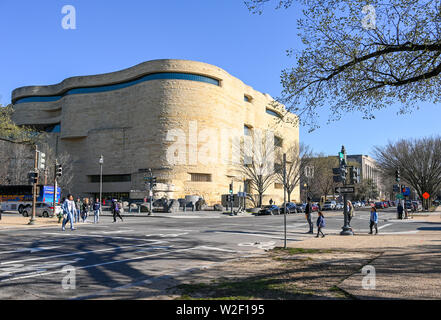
96, 211
321, 223
400, 210
373, 220
308, 215
115, 209
78, 206
69, 211
271, 202
60, 213
351, 212
85, 210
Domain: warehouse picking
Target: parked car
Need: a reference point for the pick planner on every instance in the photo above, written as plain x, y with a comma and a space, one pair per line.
329, 205
291, 207
269, 210
379, 205
42, 210
339, 206
314, 207
301, 207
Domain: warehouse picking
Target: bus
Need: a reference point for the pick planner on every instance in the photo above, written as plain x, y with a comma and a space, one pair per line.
16, 198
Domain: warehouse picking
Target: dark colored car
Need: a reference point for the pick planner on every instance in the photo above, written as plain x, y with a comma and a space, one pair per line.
301, 207
291, 207
379, 205
269, 210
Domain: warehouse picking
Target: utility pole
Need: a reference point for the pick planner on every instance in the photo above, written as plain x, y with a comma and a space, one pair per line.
284, 197
34, 189
101, 161
55, 184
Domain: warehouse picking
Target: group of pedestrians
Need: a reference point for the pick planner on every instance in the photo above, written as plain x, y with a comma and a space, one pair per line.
72, 211
321, 223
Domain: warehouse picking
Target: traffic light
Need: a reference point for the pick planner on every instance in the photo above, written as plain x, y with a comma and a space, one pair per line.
153, 181
339, 174
403, 188
41, 160
33, 177
59, 170
231, 188
397, 175
355, 175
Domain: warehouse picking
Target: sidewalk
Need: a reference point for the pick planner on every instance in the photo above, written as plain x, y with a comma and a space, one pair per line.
408, 266
16, 221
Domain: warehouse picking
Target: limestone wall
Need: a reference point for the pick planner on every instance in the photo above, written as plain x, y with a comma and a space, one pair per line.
129, 126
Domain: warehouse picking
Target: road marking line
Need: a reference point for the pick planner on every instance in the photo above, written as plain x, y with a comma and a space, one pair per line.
74, 254
384, 226
32, 250
95, 236
102, 264
254, 235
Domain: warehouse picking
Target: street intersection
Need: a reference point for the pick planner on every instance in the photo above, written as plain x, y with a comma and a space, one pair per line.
99, 260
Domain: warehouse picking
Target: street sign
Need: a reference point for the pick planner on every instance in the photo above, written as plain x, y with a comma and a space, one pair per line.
344, 189
406, 192
396, 188
426, 195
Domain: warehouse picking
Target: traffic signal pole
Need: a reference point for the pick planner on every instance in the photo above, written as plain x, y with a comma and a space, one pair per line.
34, 189
346, 229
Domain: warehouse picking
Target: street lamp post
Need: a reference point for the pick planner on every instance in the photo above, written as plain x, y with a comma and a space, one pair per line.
346, 229
101, 182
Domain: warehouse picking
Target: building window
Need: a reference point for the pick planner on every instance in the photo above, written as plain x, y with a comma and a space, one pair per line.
111, 178
105, 88
200, 177
247, 98
246, 130
278, 186
273, 113
278, 142
54, 128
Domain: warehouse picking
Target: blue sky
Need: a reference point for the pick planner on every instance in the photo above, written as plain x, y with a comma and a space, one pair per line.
113, 35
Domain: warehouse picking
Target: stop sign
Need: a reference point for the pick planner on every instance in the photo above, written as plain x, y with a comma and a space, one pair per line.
426, 195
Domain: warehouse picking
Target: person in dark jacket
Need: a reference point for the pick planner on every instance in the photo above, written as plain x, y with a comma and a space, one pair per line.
96, 211
400, 210
115, 210
320, 224
308, 215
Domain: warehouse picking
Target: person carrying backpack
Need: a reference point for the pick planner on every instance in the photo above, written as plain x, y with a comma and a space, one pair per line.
115, 209
320, 224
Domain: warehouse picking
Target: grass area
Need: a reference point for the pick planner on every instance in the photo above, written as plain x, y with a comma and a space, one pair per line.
283, 274
247, 289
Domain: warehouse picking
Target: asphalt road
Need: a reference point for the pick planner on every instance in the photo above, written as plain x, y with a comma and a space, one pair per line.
108, 259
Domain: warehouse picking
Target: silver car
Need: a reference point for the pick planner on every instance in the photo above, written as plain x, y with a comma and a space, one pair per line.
42, 210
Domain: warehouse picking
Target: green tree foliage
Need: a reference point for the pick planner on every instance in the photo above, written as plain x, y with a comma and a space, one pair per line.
10, 131
366, 190
360, 55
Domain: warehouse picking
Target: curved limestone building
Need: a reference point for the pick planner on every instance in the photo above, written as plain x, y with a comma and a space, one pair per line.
176, 117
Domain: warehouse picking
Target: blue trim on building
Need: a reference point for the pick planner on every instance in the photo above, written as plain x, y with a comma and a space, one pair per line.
105, 88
